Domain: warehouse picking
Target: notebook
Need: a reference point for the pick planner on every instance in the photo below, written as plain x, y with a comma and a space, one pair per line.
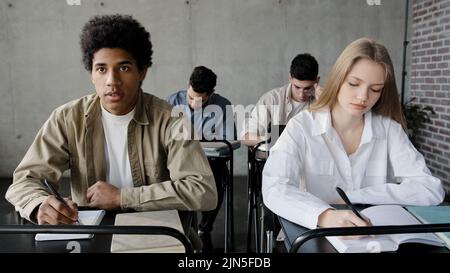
380, 216
148, 243
433, 215
86, 217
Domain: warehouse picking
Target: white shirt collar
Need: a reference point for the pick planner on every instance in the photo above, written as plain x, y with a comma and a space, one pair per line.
322, 122
372, 125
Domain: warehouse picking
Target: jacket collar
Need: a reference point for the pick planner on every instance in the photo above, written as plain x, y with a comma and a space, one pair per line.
287, 96
140, 114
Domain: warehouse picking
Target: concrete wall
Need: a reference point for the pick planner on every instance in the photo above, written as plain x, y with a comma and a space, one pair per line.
248, 43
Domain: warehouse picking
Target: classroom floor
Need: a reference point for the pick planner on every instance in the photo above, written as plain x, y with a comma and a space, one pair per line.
217, 235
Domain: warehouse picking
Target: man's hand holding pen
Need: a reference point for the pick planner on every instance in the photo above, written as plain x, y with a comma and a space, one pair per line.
54, 212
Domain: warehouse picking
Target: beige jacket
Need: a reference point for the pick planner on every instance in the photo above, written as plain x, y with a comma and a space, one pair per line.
274, 107
167, 173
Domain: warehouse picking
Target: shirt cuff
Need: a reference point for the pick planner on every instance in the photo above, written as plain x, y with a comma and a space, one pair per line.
130, 198
312, 221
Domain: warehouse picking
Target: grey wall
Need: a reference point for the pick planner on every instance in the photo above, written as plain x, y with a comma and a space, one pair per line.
248, 43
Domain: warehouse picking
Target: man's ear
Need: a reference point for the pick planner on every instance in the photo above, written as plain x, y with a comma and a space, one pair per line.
318, 79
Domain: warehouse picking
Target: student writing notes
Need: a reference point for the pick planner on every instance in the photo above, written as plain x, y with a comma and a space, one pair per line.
119, 142
352, 137
279, 105
211, 117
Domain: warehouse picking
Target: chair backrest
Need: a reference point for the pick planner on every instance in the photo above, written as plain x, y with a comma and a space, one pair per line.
273, 134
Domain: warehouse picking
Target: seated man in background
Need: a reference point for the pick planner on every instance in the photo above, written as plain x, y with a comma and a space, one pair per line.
279, 105
118, 143
207, 111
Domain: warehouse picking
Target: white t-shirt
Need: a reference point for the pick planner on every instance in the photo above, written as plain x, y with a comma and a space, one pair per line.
118, 170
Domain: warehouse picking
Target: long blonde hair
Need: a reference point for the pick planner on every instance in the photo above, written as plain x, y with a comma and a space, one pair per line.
388, 105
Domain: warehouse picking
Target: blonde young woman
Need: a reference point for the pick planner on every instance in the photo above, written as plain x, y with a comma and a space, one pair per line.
352, 137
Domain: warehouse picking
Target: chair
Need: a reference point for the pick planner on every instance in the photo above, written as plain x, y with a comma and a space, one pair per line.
256, 161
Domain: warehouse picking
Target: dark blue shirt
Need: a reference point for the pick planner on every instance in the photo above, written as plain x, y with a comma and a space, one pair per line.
209, 120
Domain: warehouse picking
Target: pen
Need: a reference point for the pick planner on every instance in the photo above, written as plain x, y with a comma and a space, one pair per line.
348, 203
57, 195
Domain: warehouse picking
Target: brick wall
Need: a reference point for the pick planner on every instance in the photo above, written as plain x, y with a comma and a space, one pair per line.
430, 80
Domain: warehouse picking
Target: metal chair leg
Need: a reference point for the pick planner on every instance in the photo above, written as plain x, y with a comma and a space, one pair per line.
255, 220
231, 214
261, 227
269, 241
249, 205
226, 220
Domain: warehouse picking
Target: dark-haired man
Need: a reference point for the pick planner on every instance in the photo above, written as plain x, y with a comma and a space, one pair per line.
118, 143
210, 112
279, 105
212, 117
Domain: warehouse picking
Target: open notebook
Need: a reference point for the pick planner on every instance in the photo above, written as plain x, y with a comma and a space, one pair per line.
148, 243
380, 216
86, 217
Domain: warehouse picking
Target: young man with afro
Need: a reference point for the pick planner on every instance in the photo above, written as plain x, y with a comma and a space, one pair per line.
118, 143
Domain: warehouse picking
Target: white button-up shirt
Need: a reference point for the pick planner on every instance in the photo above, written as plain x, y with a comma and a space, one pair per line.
309, 161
